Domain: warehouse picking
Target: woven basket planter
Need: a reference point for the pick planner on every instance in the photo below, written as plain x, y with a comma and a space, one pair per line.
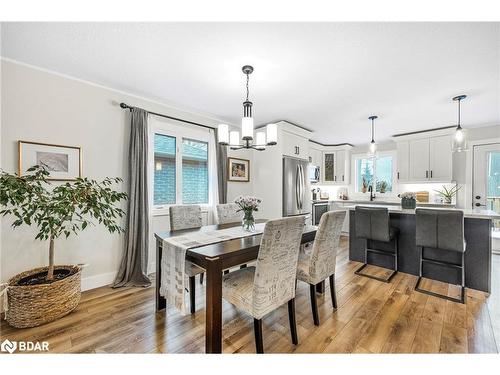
34, 305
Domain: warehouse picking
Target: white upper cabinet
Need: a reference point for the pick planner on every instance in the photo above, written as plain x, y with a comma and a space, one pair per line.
440, 159
425, 159
403, 161
419, 159
336, 166
294, 145
315, 156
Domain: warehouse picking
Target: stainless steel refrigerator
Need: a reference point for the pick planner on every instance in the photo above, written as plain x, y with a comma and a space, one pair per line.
296, 194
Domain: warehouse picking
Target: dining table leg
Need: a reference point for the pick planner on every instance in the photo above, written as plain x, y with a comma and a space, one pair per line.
213, 321
161, 302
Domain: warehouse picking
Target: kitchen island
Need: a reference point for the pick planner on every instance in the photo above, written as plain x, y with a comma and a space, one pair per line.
477, 228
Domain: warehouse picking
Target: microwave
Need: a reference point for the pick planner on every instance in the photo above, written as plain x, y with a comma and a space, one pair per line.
314, 174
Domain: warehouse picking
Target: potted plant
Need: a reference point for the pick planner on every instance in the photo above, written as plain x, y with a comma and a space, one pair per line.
448, 194
45, 294
408, 200
248, 205
382, 186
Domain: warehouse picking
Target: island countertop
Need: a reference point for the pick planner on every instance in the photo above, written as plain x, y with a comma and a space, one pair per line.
468, 213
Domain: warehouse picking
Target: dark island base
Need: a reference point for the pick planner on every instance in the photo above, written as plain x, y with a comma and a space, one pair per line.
477, 256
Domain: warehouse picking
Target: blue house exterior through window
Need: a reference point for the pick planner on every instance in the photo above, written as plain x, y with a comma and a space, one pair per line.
194, 171
164, 170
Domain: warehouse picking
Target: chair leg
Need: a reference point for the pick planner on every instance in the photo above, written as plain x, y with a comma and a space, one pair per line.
192, 293
259, 343
226, 272
243, 266
201, 278
293, 322
332, 291
314, 304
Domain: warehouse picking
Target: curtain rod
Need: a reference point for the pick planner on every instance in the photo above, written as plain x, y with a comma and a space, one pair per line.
126, 106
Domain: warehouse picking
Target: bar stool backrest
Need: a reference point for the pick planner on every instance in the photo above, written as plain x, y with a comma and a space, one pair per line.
440, 229
372, 223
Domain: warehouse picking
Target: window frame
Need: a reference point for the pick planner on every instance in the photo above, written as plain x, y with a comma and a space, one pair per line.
356, 157
179, 132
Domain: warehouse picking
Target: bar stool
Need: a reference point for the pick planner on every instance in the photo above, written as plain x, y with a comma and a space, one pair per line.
441, 232
372, 224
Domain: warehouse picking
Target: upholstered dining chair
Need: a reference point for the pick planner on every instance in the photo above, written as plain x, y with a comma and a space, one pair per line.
271, 283
227, 213
318, 264
188, 217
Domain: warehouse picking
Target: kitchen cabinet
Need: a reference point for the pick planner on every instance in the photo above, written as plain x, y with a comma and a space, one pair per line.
403, 161
315, 157
425, 159
335, 167
440, 159
419, 159
295, 145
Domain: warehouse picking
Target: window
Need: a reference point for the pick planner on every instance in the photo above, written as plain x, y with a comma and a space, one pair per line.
180, 166
164, 170
194, 171
377, 174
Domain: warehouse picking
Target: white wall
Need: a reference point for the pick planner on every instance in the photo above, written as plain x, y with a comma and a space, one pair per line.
45, 107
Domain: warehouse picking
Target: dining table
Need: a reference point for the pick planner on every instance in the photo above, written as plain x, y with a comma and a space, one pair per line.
215, 258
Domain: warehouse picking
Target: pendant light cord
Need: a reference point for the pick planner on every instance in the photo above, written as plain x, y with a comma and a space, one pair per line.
459, 110
248, 77
372, 131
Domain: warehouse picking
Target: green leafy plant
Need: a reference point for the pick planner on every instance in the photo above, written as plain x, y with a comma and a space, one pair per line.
61, 210
448, 194
382, 186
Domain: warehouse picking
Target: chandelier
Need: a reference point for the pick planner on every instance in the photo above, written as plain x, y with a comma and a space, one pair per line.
232, 138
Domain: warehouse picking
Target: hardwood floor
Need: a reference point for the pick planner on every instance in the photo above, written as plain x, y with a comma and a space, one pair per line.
372, 317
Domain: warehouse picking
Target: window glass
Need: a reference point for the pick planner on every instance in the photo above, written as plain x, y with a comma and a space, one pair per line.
384, 174
164, 170
364, 174
369, 173
194, 171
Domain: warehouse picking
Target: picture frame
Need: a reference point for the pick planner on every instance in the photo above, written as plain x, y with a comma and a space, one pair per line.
238, 170
64, 163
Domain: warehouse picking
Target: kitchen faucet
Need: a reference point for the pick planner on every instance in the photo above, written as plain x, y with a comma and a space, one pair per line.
372, 196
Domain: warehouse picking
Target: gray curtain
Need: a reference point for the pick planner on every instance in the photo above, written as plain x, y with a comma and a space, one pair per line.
133, 267
221, 170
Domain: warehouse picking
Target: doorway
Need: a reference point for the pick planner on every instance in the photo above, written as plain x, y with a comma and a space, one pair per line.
486, 184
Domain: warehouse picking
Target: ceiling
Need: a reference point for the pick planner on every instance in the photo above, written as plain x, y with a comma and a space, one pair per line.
327, 77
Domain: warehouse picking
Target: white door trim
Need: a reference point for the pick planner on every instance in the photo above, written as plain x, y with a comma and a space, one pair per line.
469, 162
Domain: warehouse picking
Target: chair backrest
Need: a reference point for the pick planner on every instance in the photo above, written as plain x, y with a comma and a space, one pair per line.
276, 269
185, 217
372, 223
227, 213
324, 252
440, 229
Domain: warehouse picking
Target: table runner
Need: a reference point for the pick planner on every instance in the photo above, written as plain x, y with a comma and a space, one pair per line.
173, 260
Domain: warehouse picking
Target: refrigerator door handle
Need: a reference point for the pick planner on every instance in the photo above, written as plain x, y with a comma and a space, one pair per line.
297, 187
302, 187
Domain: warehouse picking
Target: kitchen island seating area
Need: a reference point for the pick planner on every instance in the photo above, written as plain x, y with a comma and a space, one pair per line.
372, 224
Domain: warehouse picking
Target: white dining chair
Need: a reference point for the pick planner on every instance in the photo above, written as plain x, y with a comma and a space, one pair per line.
188, 217
270, 284
317, 264
228, 213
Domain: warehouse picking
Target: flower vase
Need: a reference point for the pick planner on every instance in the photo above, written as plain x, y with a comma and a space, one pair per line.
408, 203
248, 222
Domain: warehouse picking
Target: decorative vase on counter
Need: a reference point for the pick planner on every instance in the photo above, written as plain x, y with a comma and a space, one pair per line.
408, 200
248, 205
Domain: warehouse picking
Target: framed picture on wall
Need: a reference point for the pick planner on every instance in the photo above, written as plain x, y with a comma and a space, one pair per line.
64, 163
238, 170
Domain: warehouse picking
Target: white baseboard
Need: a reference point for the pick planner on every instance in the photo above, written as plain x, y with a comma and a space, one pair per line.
96, 281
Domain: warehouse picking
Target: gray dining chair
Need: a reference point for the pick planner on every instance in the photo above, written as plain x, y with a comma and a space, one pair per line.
372, 224
318, 264
188, 217
228, 213
270, 284
441, 233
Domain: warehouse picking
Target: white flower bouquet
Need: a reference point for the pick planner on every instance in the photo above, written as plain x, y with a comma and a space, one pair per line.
408, 200
248, 205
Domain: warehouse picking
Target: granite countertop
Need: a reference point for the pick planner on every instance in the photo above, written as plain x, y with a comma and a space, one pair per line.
468, 213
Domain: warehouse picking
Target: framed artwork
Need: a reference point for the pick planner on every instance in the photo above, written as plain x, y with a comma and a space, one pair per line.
238, 170
64, 163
